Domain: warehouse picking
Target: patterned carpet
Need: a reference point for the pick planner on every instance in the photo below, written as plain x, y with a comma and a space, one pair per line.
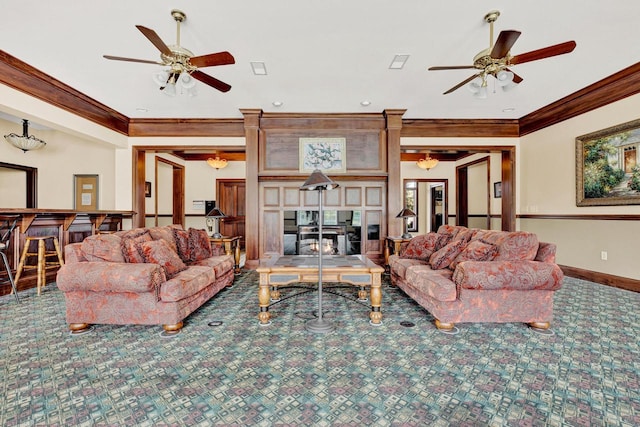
244, 374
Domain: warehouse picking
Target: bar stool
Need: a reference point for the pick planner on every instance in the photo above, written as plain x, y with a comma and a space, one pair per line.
42, 254
6, 229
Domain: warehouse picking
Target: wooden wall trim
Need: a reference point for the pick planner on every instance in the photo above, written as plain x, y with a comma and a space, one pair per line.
25, 78
460, 128
602, 278
187, 127
606, 91
322, 122
592, 217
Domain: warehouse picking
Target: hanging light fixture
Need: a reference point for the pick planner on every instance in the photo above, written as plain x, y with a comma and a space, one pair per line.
217, 162
25, 142
427, 163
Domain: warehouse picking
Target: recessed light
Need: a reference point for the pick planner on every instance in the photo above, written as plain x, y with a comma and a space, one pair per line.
277, 103
365, 103
142, 109
398, 62
259, 69
508, 110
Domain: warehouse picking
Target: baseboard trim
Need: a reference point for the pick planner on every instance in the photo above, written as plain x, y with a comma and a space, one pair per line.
602, 278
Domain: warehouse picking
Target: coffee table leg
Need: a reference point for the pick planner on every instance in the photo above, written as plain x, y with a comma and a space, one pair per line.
376, 302
264, 296
362, 293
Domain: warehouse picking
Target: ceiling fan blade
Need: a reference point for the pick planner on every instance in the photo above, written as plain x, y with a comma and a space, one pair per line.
503, 45
545, 52
459, 85
120, 58
155, 39
211, 81
452, 67
220, 58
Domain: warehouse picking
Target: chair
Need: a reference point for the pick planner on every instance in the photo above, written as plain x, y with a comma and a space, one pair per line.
42, 254
6, 230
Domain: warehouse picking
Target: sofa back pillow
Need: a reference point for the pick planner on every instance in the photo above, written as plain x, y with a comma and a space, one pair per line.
199, 245
476, 250
164, 233
102, 247
447, 233
160, 252
512, 245
420, 247
181, 238
443, 257
131, 246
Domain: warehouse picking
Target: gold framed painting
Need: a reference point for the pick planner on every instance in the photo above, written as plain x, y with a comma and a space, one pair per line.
608, 166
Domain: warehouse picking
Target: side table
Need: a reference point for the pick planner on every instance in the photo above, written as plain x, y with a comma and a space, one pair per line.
392, 246
231, 247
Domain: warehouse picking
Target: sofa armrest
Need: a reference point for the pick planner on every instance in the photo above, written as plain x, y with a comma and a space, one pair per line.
546, 252
518, 275
110, 277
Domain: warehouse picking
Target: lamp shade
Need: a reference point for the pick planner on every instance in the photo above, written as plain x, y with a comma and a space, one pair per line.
405, 213
25, 142
318, 181
215, 213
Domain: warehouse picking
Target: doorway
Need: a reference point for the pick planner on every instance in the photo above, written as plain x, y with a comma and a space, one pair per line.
427, 198
231, 196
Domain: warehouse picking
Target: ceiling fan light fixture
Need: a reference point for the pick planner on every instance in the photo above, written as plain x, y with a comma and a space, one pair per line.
504, 77
475, 85
482, 92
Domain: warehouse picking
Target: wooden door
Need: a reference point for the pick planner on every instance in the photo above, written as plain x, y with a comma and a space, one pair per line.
231, 201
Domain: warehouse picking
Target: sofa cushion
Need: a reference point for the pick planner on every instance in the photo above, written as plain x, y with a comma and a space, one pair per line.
186, 283
447, 233
103, 247
220, 264
131, 247
435, 283
199, 245
164, 233
420, 247
512, 245
477, 250
398, 266
160, 252
445, 256
182, 244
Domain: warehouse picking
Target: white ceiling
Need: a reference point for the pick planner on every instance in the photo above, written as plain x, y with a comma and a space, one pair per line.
321, 55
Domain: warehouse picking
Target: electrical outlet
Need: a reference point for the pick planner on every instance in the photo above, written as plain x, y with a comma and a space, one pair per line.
603, 255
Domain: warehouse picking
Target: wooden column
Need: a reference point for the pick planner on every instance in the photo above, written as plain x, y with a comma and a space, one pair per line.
252, 220
394, 183
508, 189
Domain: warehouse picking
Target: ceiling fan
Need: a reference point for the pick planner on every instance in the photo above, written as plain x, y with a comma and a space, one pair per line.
181, 61
496, 60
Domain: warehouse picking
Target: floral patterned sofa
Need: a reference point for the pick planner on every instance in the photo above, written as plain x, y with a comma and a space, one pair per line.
144, 276
470, 275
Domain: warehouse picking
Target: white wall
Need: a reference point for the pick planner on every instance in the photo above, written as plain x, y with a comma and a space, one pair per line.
548, 187
64, 156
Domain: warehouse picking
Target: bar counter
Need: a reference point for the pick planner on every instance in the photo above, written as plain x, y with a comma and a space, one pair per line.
69, 226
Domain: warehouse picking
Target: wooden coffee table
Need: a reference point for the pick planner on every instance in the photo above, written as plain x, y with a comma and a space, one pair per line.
356, 270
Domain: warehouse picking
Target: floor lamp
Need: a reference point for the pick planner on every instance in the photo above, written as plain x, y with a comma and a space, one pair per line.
319, 181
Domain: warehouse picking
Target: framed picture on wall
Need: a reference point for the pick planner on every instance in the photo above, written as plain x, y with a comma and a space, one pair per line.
147, 189
85, 189
608, 166
325, 154
497, 189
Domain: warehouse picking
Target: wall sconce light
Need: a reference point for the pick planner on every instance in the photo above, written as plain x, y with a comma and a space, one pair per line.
217, 163
427, 163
